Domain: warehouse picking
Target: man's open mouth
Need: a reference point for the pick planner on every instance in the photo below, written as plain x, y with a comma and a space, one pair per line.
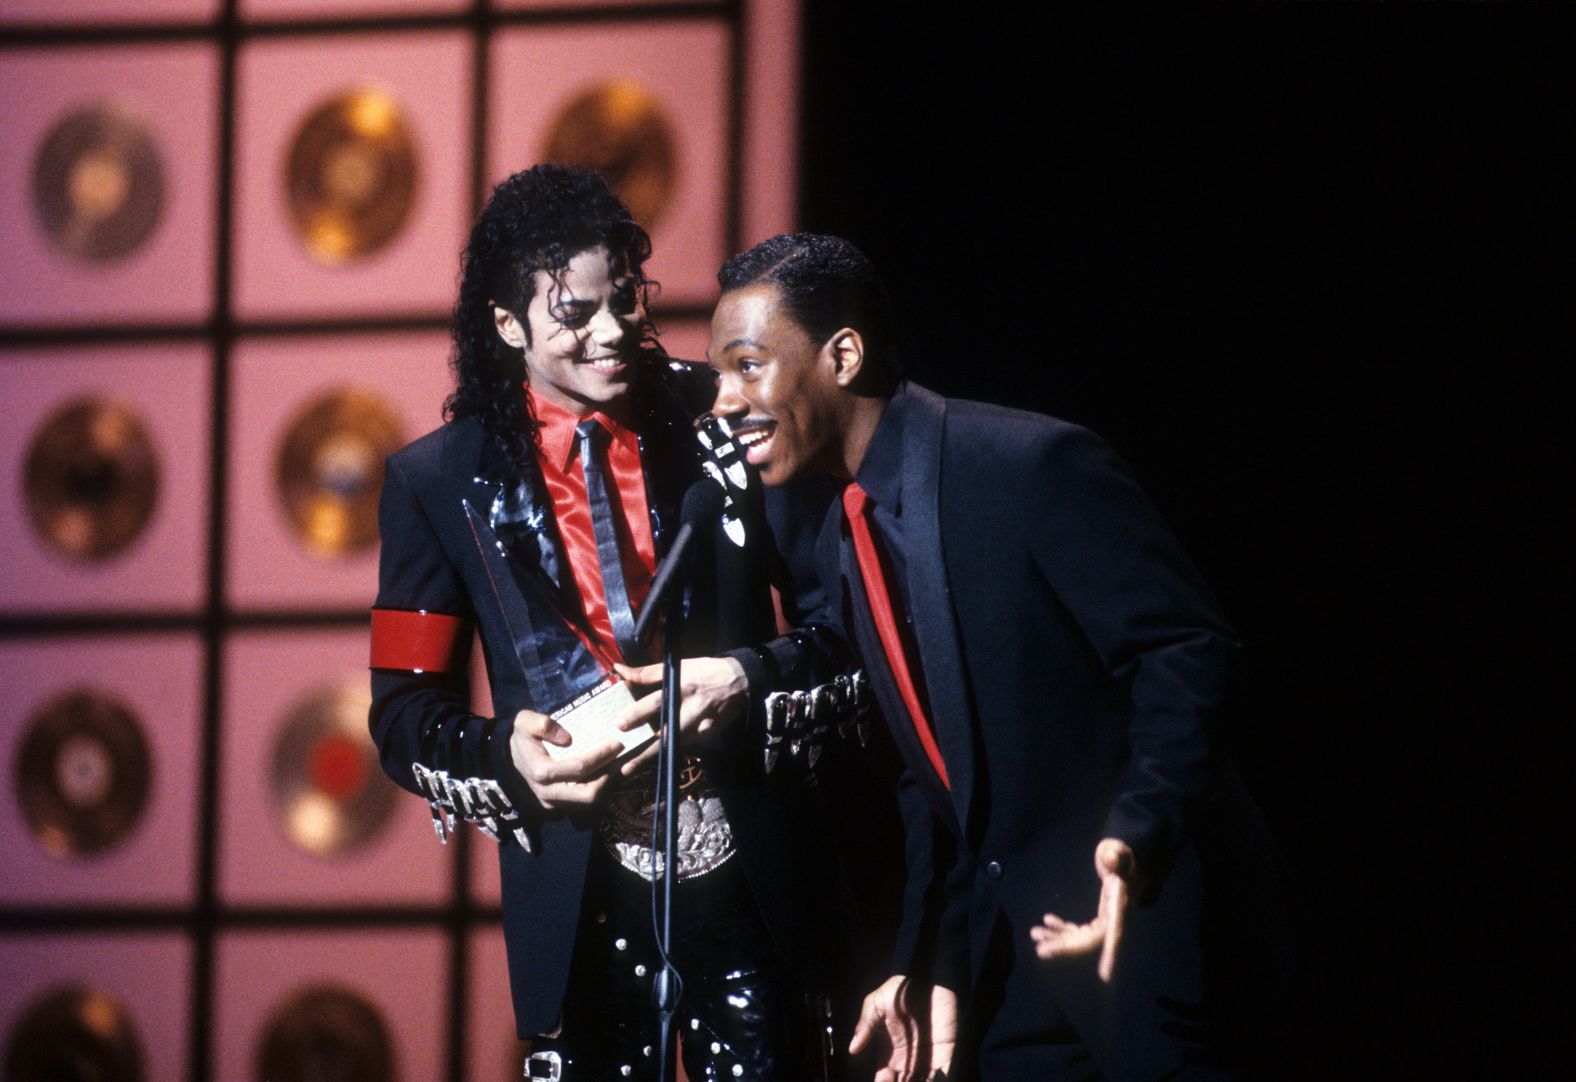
755, 438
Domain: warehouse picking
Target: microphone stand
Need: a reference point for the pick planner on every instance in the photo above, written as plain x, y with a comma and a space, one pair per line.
702, 503
665, 987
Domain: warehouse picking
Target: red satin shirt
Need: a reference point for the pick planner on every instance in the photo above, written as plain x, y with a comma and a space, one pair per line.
558, 455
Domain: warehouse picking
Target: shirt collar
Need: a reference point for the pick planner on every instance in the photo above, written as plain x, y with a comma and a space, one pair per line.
556, 435
881, 470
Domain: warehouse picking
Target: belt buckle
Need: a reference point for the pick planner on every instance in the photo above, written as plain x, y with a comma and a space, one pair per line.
551, 1062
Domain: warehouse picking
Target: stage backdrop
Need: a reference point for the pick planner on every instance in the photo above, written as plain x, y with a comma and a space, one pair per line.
233, 231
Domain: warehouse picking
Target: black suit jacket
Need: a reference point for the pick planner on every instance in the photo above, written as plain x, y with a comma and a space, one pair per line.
1073, 661
446, 499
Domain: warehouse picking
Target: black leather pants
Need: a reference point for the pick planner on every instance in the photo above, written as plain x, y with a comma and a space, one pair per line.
740, 1015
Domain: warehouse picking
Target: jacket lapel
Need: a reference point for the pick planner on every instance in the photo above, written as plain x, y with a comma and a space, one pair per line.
935, 626
554, 663
518, 509
510, 518
835, 552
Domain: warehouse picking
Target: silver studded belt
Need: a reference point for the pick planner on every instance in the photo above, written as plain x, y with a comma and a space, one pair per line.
705, 840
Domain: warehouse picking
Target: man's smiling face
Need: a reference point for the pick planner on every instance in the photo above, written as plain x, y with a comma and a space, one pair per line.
584, 333
777, 387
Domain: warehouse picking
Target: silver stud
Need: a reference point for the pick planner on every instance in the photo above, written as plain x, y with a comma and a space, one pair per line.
601, 918
738, 1070
620, 943
694, 1023
640, 971
715, 1047
626, 1070
646, 1051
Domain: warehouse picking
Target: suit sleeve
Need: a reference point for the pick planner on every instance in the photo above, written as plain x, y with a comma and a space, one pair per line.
420, 718
815, 653
1124, 578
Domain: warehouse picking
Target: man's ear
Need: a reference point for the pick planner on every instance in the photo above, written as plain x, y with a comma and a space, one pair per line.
845, 351
509, 328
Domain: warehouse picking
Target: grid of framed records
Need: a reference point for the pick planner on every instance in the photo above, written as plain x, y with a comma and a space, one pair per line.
233, 234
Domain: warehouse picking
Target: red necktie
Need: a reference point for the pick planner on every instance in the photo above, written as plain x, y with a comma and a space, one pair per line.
856, 504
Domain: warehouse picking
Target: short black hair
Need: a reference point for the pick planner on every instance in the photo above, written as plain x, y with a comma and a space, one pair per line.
826, 283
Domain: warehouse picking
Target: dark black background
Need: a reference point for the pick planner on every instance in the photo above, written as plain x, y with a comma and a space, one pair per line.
1307, 267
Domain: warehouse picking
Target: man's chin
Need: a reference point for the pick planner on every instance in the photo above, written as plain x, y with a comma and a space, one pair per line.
776, 472
609, 384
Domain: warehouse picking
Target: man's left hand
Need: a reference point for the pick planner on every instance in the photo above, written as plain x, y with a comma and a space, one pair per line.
1118, 872
921, 1042
713, 692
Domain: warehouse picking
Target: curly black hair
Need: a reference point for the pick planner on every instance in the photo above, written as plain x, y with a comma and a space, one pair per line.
536, 220
826, 283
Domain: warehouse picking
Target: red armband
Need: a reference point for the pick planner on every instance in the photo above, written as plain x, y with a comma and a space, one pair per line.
415, 641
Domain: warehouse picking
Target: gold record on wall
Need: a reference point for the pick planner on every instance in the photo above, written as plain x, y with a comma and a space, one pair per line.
98, 185
325, 1033
329, 469
82, 774
350, 179
90, 479
618, 128
74, 1033
329, 793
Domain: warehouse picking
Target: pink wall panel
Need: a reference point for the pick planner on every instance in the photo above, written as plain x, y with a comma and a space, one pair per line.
148, 973
493, 1053
272, 379
57, 12
281, 81
771, 119
535, 68
172, 89
267, 674
401, 974
165, 567
531, 5
263, 10
538, 70
159, 678
685, 339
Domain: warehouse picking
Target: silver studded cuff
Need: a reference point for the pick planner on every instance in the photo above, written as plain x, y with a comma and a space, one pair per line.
798, 722
476, 800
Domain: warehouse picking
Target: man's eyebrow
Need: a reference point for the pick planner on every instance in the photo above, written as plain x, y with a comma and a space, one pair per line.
743, 342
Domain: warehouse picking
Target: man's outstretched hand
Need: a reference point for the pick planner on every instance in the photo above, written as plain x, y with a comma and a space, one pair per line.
922, 1042
1118, 872
713, 693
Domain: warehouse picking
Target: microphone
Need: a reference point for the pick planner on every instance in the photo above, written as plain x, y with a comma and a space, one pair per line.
702, 506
